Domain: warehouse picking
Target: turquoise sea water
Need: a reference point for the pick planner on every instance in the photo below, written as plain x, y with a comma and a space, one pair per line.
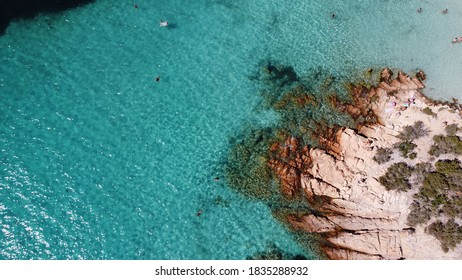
99, 161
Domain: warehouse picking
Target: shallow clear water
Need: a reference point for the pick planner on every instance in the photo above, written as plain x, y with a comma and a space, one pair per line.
99, 161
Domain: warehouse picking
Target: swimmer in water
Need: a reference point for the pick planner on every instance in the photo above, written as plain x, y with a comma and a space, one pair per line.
199, 213
163, 23
157, 78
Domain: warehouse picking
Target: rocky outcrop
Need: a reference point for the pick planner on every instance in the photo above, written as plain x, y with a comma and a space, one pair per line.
356, 215
289, 161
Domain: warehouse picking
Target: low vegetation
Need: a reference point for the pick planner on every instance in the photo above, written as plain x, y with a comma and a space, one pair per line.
448, 167
397, 177
383, 155
449, 233
440, 196
452, 129
435, 187
406, 149
429, 112
450, 144
440, 193
410, 133
421, 169
421, 211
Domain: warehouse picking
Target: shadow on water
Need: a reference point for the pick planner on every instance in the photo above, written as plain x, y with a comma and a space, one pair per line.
172, 25
16, 9
273, 252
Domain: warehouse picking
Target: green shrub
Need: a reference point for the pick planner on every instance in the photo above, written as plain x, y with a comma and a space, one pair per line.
412, 155
413, 132
397, 177
449, 233
446, 145
451, 209
405, 148
439, 194
452, 171
455, 182
452, 129
429, 112
420, 213
448, 167
421, 170
434, 185
383, 155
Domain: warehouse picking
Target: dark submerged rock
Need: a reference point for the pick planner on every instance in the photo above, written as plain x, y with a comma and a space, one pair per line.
15, 9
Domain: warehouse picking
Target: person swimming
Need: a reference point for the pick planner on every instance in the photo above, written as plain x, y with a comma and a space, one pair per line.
455, 40
445, 11
163, 23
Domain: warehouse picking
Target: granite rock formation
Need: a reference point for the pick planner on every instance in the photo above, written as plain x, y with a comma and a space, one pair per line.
354, 213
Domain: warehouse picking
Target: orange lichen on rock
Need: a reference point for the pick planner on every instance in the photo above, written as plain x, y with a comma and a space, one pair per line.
385, 75
361, 109
328, 139
288, 160
402, 82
